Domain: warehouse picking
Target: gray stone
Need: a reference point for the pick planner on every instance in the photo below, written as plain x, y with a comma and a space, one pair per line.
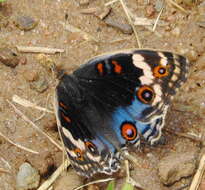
27, 177
176, 166
25, 23
39, 85
8, 57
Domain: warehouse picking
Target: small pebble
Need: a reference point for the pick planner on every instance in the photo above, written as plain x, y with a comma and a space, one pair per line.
8, 57
158, 5
125, 28
46, 61
176, 31
189, 2
176, 166
84, 2
192, 55
40, 85
150, 10
100, 12
103, 13
25, 23
30, 75
27, 177
70, 179
22, 61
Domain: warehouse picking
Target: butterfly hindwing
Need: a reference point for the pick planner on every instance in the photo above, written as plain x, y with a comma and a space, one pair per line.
106, 104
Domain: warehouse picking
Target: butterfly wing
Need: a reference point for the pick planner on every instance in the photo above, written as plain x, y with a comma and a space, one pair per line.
107, 102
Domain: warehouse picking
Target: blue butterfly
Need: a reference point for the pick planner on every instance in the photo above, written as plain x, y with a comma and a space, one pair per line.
114, 100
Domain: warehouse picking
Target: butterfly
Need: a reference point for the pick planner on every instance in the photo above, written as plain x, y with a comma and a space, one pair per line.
108, 104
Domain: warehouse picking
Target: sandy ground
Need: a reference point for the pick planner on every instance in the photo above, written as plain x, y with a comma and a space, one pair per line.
181, 34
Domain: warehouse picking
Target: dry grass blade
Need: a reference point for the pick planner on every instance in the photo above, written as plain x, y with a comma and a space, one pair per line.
189, 136
18, 145
157, 20
30, 49
177, 6
26, 103
54, 176
129, 179
34, 125
94, 182
2, 170
131, 23
198, 176
130, 158
111, 2
72, 28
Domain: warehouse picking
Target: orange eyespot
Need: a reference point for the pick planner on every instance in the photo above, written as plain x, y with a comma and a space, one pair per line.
160, 71
79, 154
63, 105
66, 117
100, 68
128, 131
117, 67
145, 94
91, 147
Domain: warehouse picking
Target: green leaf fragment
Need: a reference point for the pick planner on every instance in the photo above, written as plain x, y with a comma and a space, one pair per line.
111, 185
128, 186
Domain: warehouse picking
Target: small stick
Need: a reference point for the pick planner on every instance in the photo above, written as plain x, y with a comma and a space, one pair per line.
26, 103
131, 23
54, 176
129, 179
31, 49
130, 158
155, 24
34, 125
6, 162
94, 182
72, 28
189, 136
18, 145
198, 176
2, 170
111, 2
177, 6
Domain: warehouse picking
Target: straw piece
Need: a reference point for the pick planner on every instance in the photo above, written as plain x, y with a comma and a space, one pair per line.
72, 28
31, 49
34, 125
199, 174
54, 176
18, 145
94, 182
111, 2
26, 103
131, 23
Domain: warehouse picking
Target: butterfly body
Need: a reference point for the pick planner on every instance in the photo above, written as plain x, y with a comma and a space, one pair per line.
112, 101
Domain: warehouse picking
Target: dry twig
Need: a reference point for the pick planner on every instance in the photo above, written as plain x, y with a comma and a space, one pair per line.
30, 49
157, 20
34, 125
18, 145
2, 170
72, 28
111, 2
198, 176
189, 136
131, 23
26, 103
177, 6
94, 182
54, 176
